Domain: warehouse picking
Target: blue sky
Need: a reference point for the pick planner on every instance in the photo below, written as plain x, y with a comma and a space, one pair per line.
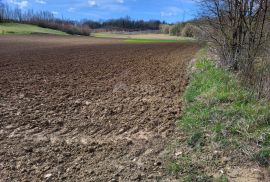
168, 10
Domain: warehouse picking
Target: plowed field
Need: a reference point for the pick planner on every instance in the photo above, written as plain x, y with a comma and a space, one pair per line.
86, 109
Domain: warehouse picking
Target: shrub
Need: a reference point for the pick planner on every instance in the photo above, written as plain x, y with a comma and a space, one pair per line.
165, 29
176, 29
191, 31
239, 44
261, 74
188, 31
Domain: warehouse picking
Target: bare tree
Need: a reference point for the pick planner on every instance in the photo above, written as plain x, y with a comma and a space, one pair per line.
237, 29
18, 15
1, 11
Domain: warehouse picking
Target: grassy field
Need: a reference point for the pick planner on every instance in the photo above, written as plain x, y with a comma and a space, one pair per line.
143, 37
109, 35
224, 123
24, 29
155, 40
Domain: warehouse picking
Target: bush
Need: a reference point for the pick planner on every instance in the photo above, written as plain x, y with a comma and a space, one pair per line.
185, 29
190, 30
238, 44
261, 74
176, 29
165, 28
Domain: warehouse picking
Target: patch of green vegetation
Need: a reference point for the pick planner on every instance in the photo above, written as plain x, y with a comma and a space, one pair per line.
263, 157
143, 38
156, 40
215, 98
187, 170
25, 29
222, 178
224, 124
173, 168
198, 178
217, 103
266, 140
108, 35
196, 139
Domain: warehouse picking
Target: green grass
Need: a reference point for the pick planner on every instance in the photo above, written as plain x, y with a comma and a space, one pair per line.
187, 170
108, 35
216, 100
155, 40
221, 119
263, 156
25, 29
143, 38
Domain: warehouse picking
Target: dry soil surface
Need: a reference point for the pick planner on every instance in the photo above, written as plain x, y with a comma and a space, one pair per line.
86, 109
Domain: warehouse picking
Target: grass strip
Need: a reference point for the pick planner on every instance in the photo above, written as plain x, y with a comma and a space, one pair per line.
156, 40
25, 29
224, 125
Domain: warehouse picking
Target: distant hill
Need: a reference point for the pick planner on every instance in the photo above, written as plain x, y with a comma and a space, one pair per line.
25, 29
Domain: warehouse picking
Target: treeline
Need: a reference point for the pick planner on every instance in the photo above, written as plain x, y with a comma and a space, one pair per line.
46, 19
186, 29
43, 19
124, 24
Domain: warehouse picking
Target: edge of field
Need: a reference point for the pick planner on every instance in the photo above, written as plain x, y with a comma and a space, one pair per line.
25, 29
143, 38
224, 125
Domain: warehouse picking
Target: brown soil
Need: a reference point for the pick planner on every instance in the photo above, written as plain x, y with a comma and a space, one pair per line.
80, 109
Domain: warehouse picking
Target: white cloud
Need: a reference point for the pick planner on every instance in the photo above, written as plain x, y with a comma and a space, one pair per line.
71, 9
108, 5
120, 1
92, 3
20, 4
102, 2
170, 11
41, 2
55, 12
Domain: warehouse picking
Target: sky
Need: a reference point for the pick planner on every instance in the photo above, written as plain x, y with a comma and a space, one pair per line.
170, 11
